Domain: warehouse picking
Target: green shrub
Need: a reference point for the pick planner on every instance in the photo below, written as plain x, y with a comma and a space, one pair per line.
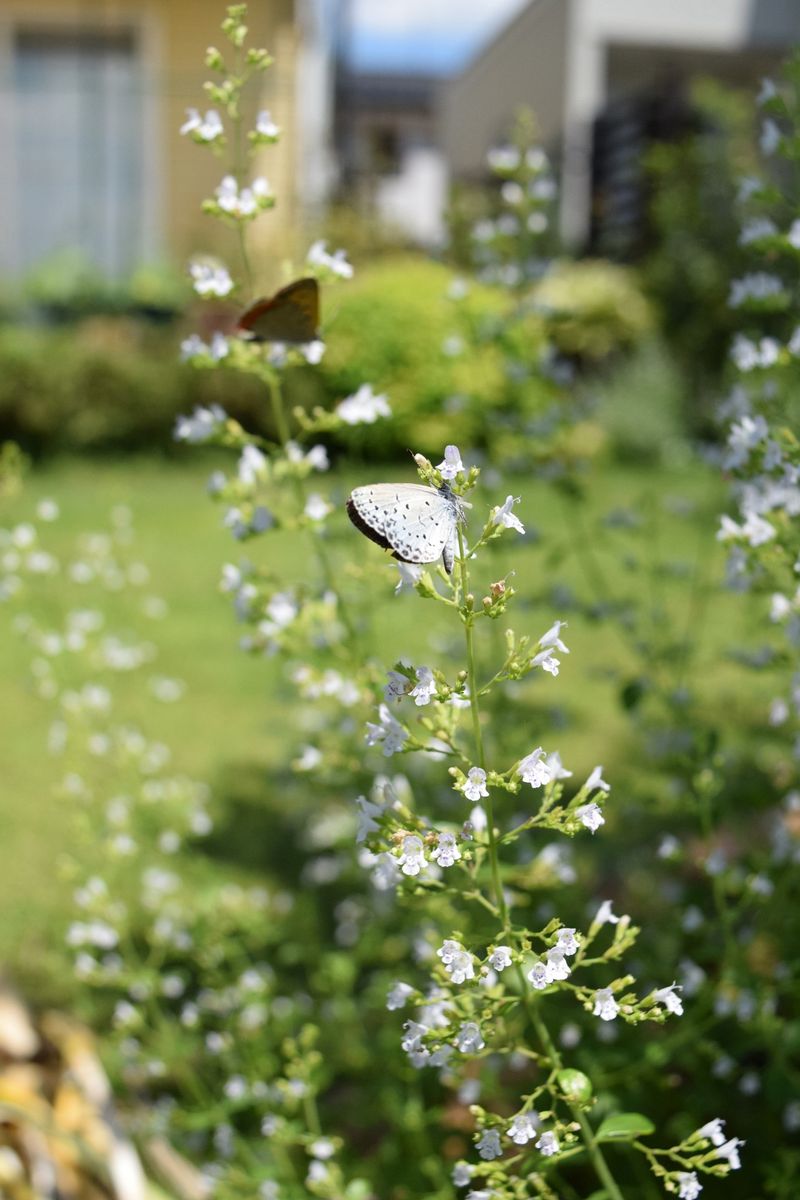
114, 382
105, 384
394, 325
594, 308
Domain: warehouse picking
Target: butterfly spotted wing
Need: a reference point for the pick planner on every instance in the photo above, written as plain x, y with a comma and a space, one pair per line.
291, 315
417, 523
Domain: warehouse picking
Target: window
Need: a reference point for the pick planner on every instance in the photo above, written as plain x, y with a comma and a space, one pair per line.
77, 147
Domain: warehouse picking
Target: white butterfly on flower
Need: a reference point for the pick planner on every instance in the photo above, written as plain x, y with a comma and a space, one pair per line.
419, 524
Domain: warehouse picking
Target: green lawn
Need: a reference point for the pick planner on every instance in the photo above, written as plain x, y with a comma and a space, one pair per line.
234, 713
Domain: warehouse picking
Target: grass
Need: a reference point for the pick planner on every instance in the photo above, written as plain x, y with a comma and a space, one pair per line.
235, 720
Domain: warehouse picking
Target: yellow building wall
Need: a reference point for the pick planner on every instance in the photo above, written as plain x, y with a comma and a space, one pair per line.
172, 36
188, 28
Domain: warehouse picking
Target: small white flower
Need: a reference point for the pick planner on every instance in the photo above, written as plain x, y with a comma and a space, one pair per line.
567, 942
534, 769
451, 465
317, 458
755, 230
313, 351
47, 510
714, 1131
523, 1128
412, 858
504, 516
770, 137
244, 203
780, 607
398, 995
556, 965
317, 507
551, 637
207, 128
425, 688
537, 976
265, 126
446, 852
457, 961
604, 915
469, 1039
210, 279
203, 424
474, 786
668, 998
500, 958
689, 1185
605, 1006
363, 407
322, 1148
410, 575
252, 466
488, 1145
548, 1144
596, 780
547, 661
462, 1174
366, 818
758, 285
503, 158
388, 732
730, 1150
397, 686
336, 263
556, 767
591, 816
413, 1035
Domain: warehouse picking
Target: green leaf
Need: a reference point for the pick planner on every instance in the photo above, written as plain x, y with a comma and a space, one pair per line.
574, 1084
624, 1127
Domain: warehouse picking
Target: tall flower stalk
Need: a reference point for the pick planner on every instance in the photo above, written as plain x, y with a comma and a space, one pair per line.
495, 979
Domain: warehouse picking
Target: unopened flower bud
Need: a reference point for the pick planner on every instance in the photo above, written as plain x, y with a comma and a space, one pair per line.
498, 589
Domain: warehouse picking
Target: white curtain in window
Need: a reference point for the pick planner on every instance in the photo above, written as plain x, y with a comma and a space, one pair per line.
77, 135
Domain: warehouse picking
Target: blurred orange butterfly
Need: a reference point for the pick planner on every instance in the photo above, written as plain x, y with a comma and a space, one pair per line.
291, 315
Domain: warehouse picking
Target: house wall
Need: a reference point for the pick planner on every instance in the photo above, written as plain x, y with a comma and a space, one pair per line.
172, 36
555, 57
524, 66
726, 26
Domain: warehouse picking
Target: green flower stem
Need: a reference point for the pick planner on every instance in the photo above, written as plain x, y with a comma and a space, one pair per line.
474, 704
239, 160
282, 426
311, 1113
595, 1153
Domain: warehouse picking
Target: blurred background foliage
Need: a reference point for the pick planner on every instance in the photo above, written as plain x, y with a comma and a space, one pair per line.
91, 378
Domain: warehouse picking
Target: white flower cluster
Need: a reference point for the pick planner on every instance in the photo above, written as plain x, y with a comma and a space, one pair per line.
554, 965
335, 264
246, 202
